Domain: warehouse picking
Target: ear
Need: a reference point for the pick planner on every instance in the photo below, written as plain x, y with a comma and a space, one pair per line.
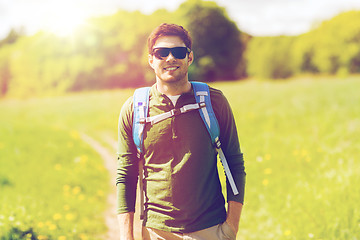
151, 60
190, 58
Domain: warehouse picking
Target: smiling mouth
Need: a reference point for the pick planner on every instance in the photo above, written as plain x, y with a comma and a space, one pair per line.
171, 68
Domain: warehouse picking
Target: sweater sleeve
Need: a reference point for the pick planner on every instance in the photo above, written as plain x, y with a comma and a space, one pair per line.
127, 164
230, 145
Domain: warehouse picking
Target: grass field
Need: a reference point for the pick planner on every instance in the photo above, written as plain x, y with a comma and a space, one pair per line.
300, 141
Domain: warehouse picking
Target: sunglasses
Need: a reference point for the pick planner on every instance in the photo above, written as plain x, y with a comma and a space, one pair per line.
177, 52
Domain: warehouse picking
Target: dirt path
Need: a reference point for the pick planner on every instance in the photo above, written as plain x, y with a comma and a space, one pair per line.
109, 159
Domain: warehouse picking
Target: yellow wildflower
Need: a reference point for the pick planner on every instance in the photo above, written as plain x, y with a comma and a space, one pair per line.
42, 237
66, 207
304, 152
265, 182
52, 227
83, 237
57, 167
267, 156
81, 197
66, 188
100, 168
69, 216
76, 190
74, 134
100, 193
83, 159
57, 216
61, 238
287, 232
268, 171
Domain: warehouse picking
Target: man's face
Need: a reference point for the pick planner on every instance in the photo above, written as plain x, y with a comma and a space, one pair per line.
169, 68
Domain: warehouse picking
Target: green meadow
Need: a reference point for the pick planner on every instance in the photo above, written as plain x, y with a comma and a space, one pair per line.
300, 141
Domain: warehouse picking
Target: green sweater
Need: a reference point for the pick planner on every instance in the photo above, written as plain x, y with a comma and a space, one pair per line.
183, 190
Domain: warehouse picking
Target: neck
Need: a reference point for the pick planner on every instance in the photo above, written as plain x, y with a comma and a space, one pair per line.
173, 88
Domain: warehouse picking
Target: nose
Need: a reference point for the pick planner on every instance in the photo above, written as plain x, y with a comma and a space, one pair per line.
170, 57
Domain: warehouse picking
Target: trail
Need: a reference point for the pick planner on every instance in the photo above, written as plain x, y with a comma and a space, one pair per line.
109, 159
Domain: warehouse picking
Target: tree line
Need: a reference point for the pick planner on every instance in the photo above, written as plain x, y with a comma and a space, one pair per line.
110, 51
332, 47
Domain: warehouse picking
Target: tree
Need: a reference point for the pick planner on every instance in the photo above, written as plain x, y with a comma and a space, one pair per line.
12, 37
303, 54
270, 57
331, 48
5, 74
217, 44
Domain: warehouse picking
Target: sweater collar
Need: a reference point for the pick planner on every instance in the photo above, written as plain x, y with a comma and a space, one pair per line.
156, 92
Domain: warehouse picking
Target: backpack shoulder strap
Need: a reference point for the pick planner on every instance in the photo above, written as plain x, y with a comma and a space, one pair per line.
141, 109
202, 94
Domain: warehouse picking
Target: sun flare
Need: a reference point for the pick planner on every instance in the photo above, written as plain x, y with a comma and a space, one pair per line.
67, 25
62, 18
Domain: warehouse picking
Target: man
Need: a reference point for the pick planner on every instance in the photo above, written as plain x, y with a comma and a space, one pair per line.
182, 187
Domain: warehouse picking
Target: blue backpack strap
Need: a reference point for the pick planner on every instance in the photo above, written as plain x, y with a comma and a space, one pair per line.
141, 109
202, 94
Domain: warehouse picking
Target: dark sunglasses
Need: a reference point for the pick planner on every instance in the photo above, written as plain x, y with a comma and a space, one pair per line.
177, 52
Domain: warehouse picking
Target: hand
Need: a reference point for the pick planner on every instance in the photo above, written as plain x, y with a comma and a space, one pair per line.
126, 223
233, 227
233, 215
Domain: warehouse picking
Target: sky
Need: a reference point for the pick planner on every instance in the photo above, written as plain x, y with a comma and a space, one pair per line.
256, 17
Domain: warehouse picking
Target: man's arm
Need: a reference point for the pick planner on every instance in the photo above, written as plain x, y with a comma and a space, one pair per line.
231, 148
230, 145
233, 215
127, 173
126, 222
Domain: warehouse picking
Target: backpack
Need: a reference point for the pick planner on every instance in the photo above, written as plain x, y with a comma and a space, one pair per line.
203, 105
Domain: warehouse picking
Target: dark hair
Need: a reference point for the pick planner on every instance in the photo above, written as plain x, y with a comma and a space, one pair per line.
166, 29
